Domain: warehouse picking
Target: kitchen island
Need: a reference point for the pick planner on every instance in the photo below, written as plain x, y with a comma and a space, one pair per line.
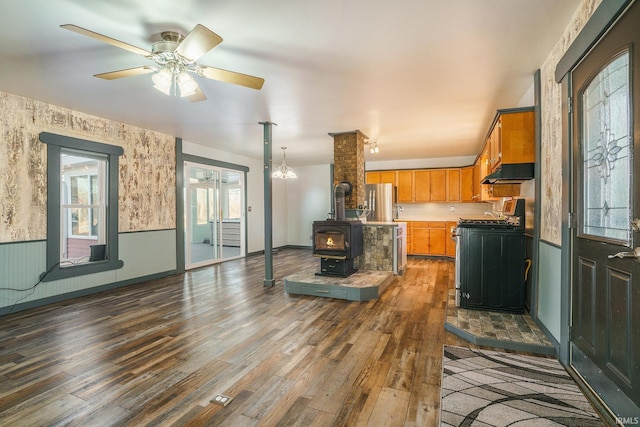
385, 247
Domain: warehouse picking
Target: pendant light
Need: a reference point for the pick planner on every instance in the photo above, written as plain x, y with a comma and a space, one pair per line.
284, 171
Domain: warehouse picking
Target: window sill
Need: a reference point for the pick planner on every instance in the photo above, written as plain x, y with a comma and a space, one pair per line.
58, 273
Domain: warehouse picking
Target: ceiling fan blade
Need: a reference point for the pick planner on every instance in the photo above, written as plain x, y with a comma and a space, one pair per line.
230, 77
129, 72
198, 42
102, 38
197, 97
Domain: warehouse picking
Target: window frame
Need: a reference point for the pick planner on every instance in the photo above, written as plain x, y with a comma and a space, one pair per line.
91, 205
55, 143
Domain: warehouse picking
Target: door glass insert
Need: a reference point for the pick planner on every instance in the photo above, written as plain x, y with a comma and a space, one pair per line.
606, 159
214, 206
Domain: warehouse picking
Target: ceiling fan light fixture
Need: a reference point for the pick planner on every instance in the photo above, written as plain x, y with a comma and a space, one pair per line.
162, 80
163, 89
175, 59
186, 83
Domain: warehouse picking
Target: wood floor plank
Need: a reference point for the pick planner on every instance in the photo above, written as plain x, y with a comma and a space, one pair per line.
156, 353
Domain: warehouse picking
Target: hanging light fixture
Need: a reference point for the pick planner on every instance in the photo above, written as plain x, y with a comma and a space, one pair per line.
373, 149
284, 171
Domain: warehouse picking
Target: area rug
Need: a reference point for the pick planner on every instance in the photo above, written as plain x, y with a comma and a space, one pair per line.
487, 388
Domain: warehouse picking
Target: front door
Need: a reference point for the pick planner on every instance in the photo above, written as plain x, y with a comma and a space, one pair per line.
605, 345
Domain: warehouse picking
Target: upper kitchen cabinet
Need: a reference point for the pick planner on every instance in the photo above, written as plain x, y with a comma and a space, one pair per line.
405, 186
467, 184
484, 167
454, 185
430, 185
381, 177
425, 185
512, 138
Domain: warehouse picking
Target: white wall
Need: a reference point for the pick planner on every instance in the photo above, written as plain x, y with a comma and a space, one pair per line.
309, 199
280, 210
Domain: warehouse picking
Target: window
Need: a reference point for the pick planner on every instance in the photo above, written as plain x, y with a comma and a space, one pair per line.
82, 207
235, 203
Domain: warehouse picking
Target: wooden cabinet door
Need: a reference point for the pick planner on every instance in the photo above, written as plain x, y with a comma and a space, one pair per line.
372, 178
453, 185
485, 194
450, 243
438, 185
467, 184
420, 241
381, 177
495, 142
518, 137
405, 186
422, 185
477, 178
437, 241
388, 177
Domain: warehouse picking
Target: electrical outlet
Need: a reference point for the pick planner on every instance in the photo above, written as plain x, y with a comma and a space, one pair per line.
221, 399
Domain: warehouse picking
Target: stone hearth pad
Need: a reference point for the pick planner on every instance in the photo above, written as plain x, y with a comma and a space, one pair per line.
360, 286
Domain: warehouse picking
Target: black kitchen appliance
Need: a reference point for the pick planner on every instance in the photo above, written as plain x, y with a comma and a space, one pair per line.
491, 261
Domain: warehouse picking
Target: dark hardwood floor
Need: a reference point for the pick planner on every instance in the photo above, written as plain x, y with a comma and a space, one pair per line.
156, 353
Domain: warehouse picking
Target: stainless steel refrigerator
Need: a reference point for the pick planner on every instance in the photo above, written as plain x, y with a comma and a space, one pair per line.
380, 199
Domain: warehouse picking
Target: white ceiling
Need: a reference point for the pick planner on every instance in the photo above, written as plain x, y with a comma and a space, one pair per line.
422, 77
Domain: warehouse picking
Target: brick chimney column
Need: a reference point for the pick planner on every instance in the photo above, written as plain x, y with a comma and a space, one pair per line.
348, 164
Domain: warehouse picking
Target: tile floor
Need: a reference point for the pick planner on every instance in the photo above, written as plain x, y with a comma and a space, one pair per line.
507, 327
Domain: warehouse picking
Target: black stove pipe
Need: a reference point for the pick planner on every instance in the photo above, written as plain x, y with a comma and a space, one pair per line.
340, 192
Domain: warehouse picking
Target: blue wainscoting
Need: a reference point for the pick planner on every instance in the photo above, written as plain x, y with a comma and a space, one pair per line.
549, 289
146, 255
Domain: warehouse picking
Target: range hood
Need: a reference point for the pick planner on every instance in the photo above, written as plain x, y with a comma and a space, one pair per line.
511, 174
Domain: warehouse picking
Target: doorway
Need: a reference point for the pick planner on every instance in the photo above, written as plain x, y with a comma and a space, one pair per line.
605, 289
214, 214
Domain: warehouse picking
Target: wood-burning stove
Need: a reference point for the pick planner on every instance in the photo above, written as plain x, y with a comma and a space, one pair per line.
337, 243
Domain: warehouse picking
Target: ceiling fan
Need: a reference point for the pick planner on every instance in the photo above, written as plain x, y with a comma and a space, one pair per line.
175, 59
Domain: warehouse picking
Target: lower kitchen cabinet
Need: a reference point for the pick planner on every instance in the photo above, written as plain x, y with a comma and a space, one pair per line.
428, 238
450, 243
492, 266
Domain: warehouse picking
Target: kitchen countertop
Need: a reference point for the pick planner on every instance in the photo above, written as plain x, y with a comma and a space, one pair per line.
447, 219
393, 223
440, 219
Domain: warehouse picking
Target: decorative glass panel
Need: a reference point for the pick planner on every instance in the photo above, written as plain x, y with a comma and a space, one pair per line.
606, 159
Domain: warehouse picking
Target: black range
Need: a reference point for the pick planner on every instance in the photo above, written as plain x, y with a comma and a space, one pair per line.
490, 261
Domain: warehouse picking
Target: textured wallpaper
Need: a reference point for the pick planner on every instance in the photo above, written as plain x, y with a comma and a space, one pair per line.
147, 168
551, 132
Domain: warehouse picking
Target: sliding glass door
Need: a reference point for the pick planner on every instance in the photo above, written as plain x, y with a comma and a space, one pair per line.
214, 214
